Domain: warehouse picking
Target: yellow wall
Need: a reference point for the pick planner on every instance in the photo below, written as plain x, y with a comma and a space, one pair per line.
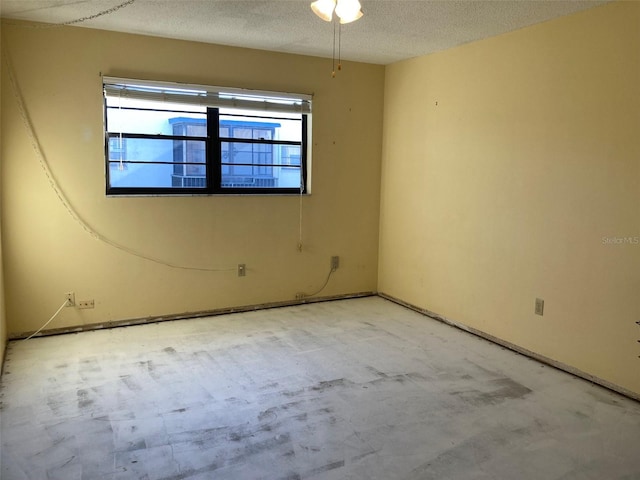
47, 253
505, 164
3, 319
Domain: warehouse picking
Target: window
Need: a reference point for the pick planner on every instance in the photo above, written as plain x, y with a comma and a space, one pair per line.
164, 138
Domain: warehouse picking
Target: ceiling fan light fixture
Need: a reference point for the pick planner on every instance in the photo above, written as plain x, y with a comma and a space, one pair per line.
324, 9
348, 10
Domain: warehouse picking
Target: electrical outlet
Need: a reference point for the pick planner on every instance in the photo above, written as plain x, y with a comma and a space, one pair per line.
539, 306
86, 304
71, 299
335, 262
300, 296
242, 269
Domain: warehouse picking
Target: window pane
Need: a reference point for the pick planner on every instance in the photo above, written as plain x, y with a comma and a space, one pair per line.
196, 129
258, 153
255, 165
116, 148
247, 153
154, 118
288, 154
148, 162
278, 177
257, 125
195, 154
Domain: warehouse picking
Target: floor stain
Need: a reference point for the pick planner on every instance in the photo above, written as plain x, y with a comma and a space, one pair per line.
325, 468
268, 414
508, 389
329, 384
469, 454
266, 445
130, 383
83, 399
270, 386
189, 473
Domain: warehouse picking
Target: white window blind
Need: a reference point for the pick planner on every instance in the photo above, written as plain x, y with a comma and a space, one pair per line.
208, 96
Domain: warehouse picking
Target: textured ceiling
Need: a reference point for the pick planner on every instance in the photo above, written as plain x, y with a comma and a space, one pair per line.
390, 30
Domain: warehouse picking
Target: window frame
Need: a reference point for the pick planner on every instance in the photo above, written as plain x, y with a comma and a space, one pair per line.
213, 141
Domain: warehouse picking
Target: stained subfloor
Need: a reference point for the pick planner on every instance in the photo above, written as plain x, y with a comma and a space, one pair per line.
350, 389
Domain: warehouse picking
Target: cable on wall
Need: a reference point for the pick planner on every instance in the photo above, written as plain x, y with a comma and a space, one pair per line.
302, 295
302, 188
35, 143
300, 220
108, 11
48, 322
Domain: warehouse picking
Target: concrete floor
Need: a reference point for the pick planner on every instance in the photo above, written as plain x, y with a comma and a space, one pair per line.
351, 389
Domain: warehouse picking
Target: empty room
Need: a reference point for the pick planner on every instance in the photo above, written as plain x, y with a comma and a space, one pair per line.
278, 239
